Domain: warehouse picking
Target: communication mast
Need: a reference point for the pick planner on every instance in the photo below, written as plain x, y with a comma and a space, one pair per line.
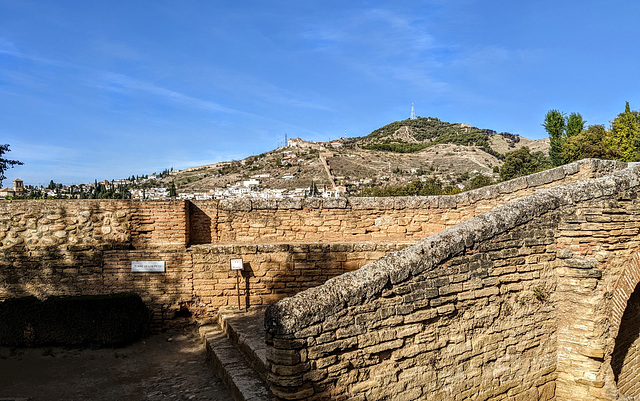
413, 112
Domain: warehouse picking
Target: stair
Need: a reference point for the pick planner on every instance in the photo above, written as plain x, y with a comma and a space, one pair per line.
243, 372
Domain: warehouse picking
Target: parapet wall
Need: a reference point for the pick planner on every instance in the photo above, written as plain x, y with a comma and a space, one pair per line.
522, 302
103, 224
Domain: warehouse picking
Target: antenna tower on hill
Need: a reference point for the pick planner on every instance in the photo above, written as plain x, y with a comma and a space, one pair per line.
413, 112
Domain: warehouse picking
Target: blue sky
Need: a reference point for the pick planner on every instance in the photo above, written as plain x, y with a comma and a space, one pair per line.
106, 89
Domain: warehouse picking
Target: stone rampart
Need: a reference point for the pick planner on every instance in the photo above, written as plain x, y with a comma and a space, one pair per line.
527, 301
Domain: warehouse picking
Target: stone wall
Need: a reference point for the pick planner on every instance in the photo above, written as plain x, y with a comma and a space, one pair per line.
272, 272
523, 302
64, 223
100, 224
156, 224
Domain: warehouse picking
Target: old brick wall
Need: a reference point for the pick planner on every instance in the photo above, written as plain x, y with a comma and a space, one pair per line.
273, 271
164, 293
523, 302
158, 224
598, 275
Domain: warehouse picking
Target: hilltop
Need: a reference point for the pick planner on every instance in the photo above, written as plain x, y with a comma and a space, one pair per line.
391, 155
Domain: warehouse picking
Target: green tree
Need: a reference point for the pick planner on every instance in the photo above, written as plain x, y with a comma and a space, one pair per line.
554, 124
592, 142
172, 190
6, 164
575, 124
478, 181
522, 162
624, 134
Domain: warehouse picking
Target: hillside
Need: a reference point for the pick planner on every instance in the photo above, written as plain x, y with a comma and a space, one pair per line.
391, 155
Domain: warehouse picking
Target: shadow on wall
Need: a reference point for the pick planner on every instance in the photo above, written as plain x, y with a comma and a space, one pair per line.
247, 276
626, 350
46, 272
199, 225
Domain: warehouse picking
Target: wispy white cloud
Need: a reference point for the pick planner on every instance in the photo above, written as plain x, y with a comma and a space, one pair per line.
39, 152
125, 84
383, 44
7, 47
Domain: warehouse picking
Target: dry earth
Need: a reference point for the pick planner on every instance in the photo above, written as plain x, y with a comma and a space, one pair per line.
165, 366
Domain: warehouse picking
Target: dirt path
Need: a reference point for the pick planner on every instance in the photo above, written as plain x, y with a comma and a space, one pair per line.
165, 366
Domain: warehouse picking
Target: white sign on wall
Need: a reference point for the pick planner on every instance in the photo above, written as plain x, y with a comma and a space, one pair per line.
147, 266
236, 264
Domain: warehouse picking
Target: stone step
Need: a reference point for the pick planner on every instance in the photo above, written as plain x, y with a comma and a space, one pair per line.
242, 380
246, 330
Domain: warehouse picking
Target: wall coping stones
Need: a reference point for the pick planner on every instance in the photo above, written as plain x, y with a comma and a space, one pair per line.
311, 306
235, 204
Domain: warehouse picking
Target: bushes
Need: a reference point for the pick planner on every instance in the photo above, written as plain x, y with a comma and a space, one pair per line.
99, 320
522, 162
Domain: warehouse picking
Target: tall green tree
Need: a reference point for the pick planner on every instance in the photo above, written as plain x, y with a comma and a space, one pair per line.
625, 131
555, 125
6, 164
575, 124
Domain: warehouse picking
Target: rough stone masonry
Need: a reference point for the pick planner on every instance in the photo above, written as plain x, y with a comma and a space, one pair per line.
534, 300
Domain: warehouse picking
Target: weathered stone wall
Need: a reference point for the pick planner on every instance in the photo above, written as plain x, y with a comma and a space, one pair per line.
523, 302
272, 272
63, 223
157, 224
100, 224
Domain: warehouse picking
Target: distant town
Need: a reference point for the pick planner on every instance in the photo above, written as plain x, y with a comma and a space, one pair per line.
138, 187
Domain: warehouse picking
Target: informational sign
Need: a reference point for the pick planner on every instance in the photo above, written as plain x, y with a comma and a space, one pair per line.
236, 264
147, 266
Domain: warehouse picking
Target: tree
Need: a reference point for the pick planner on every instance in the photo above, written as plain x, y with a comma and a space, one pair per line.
554, 124
624, 132
575, 124
6, 164
478, 181
592, 142
172, 190
522, 162
313, 189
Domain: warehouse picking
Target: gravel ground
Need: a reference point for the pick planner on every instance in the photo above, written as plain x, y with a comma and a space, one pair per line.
166, 366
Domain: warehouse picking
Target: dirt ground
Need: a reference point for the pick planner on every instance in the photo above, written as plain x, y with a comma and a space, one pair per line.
165, 366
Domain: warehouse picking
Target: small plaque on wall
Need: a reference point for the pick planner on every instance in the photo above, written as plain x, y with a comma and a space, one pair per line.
147, 266
236, 264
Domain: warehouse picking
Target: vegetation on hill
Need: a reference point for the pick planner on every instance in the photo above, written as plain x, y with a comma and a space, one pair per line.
569, 141
428, 131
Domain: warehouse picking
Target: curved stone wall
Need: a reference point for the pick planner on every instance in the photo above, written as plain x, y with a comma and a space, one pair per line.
513, 303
